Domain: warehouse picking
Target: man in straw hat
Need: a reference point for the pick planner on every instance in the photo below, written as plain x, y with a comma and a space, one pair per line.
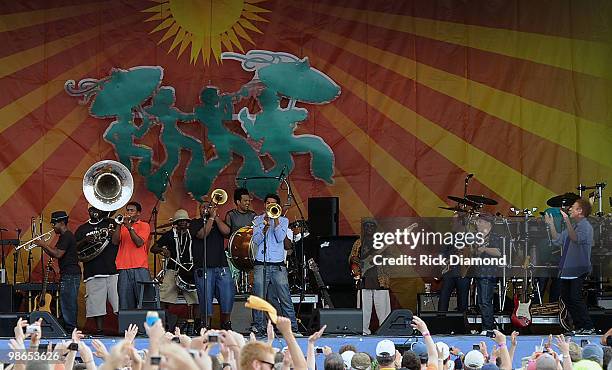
176, 247
70, 271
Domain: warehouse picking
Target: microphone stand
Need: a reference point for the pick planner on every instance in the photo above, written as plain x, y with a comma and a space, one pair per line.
16, 256
153, 218
205, 268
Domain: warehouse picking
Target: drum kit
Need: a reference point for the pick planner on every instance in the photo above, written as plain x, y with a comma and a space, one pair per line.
527, 237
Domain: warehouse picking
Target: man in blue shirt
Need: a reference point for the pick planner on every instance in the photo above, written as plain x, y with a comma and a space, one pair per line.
576, 241
275, 231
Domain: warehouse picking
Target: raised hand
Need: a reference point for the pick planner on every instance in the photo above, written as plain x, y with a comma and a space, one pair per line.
513, 336
20, 336
100, 349
284, 325
270, 331
419, 324
130, 333
317, 335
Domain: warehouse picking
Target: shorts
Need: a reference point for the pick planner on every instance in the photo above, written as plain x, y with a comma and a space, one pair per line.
168, 291
98, 290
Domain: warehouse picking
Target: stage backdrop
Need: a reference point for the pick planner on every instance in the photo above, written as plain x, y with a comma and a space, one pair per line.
422, 93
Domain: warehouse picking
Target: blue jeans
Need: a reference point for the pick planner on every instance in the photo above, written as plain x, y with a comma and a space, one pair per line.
128, 287
69, 293
219, 284
276, 279
462, 285
486, 294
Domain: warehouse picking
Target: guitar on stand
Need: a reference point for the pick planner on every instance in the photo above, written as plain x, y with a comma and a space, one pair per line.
521, 315
327, 301
42, 302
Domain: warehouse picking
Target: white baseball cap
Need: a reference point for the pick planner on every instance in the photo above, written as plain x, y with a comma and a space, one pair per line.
385, 346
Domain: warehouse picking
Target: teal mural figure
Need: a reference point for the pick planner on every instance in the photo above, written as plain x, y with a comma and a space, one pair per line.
212, 112
120, 95
174, 140
284, 75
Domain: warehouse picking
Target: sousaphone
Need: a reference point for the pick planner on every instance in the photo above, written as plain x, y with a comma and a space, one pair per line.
108, 185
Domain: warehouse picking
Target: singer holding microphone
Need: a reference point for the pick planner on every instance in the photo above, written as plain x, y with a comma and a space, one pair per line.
270, 272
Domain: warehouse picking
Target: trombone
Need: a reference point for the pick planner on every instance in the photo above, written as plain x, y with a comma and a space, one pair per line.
29, 245
274, 210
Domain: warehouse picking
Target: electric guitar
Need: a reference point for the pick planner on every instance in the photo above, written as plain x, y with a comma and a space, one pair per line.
327, 302
43, 300
521, 315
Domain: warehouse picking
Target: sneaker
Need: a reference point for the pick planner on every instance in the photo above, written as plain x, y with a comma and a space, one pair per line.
297, 334
586, 332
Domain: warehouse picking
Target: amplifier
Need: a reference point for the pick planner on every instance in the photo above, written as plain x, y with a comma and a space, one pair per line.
428, 302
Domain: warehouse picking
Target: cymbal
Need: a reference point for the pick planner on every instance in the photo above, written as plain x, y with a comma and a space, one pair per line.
480, 199
563, 200
463, 201
454, 209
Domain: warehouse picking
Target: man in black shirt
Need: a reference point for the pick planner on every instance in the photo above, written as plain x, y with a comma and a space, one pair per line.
70, 271
100, 273
176, 245
212, 274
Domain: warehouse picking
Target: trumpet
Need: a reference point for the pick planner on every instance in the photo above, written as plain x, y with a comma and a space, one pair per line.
29, 245
274, 210
218, 197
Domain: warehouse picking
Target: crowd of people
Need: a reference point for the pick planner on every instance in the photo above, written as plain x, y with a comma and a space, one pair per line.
228, 350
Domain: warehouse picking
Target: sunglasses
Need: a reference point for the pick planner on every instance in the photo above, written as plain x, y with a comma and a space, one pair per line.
266, 362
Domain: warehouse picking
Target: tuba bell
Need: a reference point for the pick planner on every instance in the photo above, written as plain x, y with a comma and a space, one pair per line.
108, 185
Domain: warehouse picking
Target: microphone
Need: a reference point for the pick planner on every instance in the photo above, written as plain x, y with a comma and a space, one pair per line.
468, 177
282, 174
289, 199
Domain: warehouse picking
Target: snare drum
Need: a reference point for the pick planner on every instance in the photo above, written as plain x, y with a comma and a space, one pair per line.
185, 280
242, 250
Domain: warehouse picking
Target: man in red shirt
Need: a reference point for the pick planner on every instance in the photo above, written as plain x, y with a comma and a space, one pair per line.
132, 261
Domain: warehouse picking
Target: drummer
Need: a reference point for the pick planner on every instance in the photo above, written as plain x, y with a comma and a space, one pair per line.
242, 215
217, 282
176, 245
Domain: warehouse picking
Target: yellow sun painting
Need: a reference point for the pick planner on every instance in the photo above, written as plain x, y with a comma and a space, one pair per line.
208, 25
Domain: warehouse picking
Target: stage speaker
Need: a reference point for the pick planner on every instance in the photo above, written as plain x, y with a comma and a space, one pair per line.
323, 216
448, 322
8, 321
7, 293
341, 321
397, 324
51, 328
334, 264
137, 317
241, 317
602, 319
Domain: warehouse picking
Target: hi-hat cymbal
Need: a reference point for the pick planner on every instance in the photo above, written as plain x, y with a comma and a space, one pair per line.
480, 199
563, 200
454, 209
463, 201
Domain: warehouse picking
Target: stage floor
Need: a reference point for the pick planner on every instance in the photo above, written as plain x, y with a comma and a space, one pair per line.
526, 344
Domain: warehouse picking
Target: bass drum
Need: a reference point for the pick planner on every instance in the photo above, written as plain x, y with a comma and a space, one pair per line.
241, 249
185, 280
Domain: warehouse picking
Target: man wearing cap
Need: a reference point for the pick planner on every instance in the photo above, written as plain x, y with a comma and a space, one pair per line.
386, 354
70, 271
132, 260
374, 282
213, 277
592, 352
361, 361
176, 246
100, 273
